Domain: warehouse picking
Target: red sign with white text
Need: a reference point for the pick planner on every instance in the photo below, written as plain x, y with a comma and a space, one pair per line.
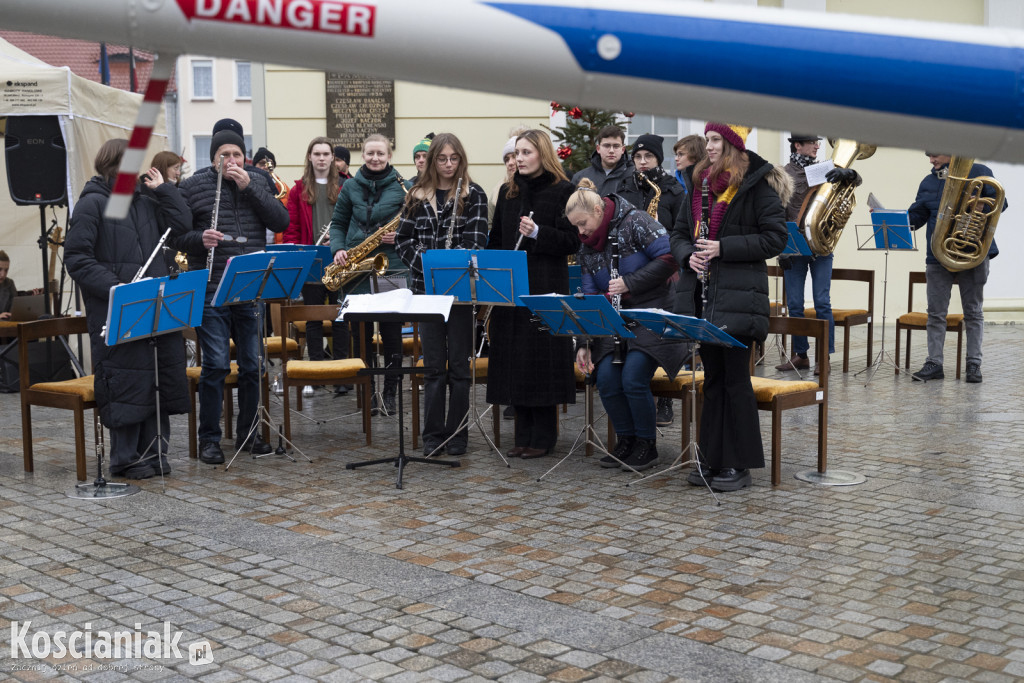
322, 16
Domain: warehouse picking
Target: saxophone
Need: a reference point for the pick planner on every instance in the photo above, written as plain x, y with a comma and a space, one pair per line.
966, 224
652, 208
336, 275
828, 207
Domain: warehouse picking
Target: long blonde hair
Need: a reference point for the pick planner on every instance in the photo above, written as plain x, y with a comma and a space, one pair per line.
586, 198
540, 141
732, 161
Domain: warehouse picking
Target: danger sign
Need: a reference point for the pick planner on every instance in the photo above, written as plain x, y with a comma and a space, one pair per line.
323, 16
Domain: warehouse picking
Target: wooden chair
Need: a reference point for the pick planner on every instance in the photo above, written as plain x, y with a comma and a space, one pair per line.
298, 373
76, 395
775, 395
915, 320
848, 317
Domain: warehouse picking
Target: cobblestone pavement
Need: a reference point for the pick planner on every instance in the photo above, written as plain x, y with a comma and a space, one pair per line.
299, 571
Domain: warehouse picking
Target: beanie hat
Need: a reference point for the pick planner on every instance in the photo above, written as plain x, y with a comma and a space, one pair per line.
261, 154
341, 152
736, 135
803, 137
228, 124
225, 137
509, 148
650, 143
423, 145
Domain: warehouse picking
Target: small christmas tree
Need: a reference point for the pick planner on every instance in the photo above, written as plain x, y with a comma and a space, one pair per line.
577, 139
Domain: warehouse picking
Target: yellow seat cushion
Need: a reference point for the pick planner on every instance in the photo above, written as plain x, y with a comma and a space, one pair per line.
407, 344
81, 386
838, 314
661, 381
921, 319
323, 370
274, 345
300, 325
765, 389
8, 328
193, 372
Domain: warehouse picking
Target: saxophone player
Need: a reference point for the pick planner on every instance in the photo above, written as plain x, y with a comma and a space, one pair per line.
435, 218
653, 190
311, 202
613, 229
925, 211
803, 153
365, 203
246, 210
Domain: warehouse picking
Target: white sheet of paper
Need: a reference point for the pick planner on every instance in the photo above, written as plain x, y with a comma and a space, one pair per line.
816, 172
396, 301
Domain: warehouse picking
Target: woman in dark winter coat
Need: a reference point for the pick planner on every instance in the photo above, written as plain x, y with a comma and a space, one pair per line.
432, 213
530, 369
365, 204
636, 188
612, 229
100, 253
747, 226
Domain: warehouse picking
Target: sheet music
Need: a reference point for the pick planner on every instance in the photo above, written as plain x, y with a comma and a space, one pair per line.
397, 301
873, 203
816, 173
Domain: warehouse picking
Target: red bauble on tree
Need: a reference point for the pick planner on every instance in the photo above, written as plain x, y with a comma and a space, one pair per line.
564, 152
577, 139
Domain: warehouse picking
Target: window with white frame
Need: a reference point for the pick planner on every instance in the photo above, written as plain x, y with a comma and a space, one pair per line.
243, 80
667, 127
202, 79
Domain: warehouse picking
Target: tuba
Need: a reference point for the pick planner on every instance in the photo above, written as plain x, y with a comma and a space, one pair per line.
652, 208
828, 207
336, 276
966, 224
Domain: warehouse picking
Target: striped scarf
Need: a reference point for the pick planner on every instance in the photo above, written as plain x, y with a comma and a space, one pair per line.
721, 195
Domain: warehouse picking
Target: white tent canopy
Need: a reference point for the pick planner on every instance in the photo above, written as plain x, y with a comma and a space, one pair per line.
89, 114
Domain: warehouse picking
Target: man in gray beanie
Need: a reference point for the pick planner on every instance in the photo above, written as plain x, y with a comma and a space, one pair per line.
247, 209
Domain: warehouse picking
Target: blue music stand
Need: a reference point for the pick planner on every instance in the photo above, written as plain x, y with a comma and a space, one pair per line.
890, 231
697, 331
323, 257
796, 244
147, 309
252, 279
473, 277
579, 315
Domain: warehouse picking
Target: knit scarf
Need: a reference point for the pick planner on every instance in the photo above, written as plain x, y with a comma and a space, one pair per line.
721, 195
597, 239
802, 160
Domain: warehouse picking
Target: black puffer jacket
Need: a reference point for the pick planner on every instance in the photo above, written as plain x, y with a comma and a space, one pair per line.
640, 194
249, 212
753, 230
100, 253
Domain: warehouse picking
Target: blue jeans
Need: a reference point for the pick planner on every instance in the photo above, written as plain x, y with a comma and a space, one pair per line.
626, 394
219, 324
821, 281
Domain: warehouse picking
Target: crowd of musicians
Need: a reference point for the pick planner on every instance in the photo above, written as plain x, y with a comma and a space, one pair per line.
693, 242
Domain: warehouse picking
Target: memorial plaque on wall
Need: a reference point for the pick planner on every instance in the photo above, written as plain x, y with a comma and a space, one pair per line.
358, 106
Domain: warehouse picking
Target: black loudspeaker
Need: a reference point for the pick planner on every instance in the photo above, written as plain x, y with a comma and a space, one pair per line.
37, 172
48, 361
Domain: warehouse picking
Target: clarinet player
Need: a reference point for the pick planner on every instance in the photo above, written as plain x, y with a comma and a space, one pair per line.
444, 210
724, 279
626, 256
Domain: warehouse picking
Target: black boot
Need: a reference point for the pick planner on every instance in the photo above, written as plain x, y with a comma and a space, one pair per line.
643, 457
390, 395
623, 447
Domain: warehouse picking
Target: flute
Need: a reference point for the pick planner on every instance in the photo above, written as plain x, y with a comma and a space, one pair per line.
521, 235
216, 208
145, 266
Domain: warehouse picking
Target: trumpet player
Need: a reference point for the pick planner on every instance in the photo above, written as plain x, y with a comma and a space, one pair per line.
625, 255
310, 205
366, 203
243, 210
940, 281
434, 218
803, 152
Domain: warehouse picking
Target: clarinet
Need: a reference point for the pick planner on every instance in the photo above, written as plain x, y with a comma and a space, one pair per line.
455, 209
618, 357
702, 234
216, 209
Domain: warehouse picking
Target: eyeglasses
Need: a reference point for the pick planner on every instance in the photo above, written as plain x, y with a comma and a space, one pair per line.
453, 159
609, 146
241, 239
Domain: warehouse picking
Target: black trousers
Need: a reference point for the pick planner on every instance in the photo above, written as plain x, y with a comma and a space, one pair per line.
129, 443
391, 348
446, 344
315, 295
536, 426
730, 432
